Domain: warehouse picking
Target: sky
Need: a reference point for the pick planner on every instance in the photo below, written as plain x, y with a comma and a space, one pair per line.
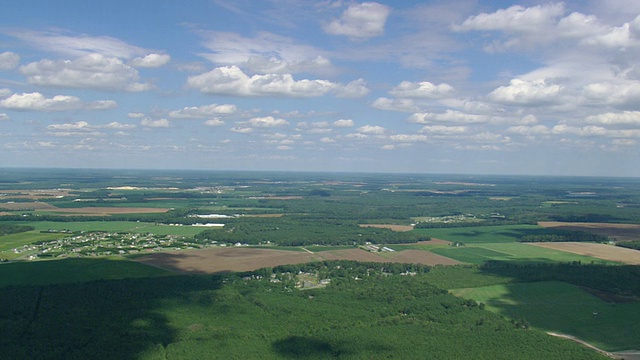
454, 86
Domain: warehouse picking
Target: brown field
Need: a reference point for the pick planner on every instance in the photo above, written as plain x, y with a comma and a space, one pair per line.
93, 211
600, 251
109, 210
2, 213
389, 226
35, 194
214, 260
36, 205
616, 231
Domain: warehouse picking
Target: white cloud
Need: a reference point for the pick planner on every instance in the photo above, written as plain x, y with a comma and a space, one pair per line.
119, 126
404, 105
443, 130
424, 89
4, 117
91, 71
621, 93
266, 53
327, 140
230, 80
370, 129
159, 123
204, 111
530, 93
343, 123
79, 45
135, 115
360, 21
624, 118
242, 130
595, 131
529, 130
214, 122
355, 89
451, 116
4, 92
37, 102
515, 18
151, 60
407, 138
72, 126
9, 60
268, 121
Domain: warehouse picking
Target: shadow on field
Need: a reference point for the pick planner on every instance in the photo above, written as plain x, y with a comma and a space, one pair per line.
104, 319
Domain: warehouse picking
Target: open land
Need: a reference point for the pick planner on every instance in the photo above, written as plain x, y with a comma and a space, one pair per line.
215, 260
389, 226
600, 251
616, 231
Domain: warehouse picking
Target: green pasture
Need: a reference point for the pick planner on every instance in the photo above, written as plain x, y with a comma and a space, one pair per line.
517, 252
117, 226
564, 308
485, 234
73, 271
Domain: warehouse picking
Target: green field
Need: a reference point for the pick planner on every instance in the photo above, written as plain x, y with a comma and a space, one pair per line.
518, 252
564, 308
117, 226
12, 241
73, 271
485, 234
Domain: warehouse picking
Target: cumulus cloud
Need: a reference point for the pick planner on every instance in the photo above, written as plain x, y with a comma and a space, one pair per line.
610, 93
371, 129
451, 116
71, 126
360, 21
529, 130
4, 117
515, 18
194, 112
529, 93
595, 131
404, 105
4, 92
268, 121
119, 126
624, 118
231, 80
151, 123
408, 138
424, 89
242, 130
38, 102
92, 71
9, 60
151, 60
343, 123
135, 115
214, 122
443, 130
355, 89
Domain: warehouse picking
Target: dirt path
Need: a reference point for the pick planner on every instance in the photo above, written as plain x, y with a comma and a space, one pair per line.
573, 338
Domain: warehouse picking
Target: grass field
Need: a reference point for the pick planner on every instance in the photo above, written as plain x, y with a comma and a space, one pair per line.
118, 226
485, 234
73, 271
564, 308
12, 241
518, 252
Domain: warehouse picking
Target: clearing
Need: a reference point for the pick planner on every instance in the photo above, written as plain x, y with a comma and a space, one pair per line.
600, 251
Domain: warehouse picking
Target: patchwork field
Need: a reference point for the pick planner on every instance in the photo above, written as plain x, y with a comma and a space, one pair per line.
600, 251
389, 226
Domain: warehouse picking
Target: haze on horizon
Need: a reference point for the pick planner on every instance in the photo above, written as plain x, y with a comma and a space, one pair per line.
462, 86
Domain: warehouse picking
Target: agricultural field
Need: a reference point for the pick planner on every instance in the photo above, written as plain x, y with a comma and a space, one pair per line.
485, 239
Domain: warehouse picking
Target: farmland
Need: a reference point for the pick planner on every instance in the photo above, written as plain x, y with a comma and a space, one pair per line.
478, 237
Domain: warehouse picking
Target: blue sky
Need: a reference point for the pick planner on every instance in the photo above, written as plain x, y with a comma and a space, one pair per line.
458, 86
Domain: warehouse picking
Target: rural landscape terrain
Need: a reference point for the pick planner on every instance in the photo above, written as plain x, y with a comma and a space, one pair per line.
267, 265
